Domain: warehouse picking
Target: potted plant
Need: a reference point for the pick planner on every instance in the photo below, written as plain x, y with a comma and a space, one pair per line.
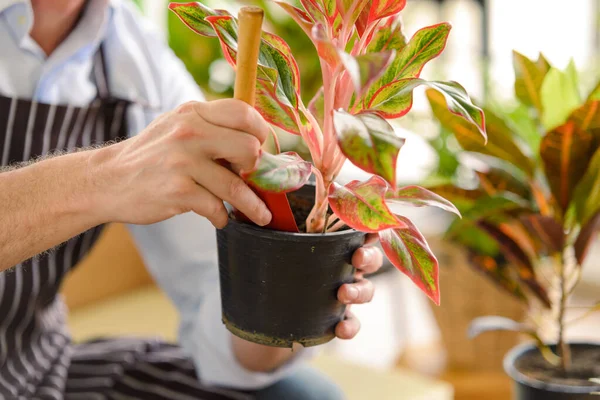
536, 197
279, 287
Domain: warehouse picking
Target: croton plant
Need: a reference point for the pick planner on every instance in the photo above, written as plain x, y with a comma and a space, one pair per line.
534, 210
369, 72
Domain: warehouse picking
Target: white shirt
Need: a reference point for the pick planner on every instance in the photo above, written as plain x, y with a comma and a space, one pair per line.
180, 252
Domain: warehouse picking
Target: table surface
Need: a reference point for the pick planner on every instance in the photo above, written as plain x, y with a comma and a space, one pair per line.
469, 385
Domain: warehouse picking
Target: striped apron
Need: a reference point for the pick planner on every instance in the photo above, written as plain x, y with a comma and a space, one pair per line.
37, 358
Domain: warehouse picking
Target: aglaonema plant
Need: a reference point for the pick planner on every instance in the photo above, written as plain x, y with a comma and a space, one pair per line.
369, 72
537, 200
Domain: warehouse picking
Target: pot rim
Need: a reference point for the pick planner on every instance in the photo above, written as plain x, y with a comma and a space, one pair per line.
264, 232
516, 375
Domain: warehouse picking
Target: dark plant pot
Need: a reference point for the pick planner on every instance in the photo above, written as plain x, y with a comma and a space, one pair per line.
528, 388
278, 288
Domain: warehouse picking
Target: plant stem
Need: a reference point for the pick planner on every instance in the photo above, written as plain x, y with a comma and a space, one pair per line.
337, 226
562, 345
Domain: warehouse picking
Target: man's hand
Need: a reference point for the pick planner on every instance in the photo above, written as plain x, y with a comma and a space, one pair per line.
366, 260
175, 165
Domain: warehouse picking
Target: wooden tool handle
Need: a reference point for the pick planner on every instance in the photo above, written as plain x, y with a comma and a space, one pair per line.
249, 37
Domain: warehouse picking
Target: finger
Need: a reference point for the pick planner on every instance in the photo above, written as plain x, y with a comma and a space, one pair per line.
206, 204
372, 238
367, 259
349, 327
239, 148
229, 187
234, 114
356, 293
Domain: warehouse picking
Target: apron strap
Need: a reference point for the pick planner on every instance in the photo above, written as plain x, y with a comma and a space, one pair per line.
101, 74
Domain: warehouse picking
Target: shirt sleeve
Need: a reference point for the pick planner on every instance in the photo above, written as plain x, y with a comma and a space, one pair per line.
181, 254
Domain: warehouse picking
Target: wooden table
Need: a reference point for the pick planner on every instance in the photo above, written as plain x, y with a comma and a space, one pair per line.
469, 385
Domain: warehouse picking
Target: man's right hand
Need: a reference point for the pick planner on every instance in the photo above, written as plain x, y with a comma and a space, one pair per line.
172, 166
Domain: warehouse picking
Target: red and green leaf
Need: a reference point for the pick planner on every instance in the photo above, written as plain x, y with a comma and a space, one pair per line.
325, 47
366, 68
350, 10
361, 205
281, 173
300, 16
585, 238
378, 9
369, 142
425, 45
501, 143
586, 197
389, 36
407, 250
273, 110
529, 77
519, 259
500, 274
550, 233
587, 117
315, 12
419, 197
565, 152
194, 14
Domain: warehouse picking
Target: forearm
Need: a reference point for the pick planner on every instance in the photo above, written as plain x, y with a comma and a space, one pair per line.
45, 204
258, 358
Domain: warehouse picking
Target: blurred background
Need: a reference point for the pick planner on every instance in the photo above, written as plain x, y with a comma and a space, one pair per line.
407, 348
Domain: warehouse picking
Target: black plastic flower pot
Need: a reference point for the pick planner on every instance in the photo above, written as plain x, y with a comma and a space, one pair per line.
534, 380
278, 288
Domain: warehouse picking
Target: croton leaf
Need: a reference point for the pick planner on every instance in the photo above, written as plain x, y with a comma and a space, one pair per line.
565, 152
501, 142
595, 93
560, 96
194, 14
499, 274
424, 46
492, 323
587, 193
585, 238
361, 205
389, 36
369, 142
587, 117
281, 173
501, 203
300, 16
366, 68
529, 77
519, 259
275, 61
273, 110
325, 47
407, 250
547, 230
496, 179
417, 196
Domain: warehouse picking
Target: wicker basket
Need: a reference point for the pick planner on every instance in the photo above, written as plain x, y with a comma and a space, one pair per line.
467, 294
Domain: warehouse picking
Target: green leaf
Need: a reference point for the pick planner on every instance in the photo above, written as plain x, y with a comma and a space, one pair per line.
519, 259
525, 126
425, 45
585, 238
369, 142
194, 14
419, 197
281, 173
586, 197
529, 77
389, 36
497, 204
395, 100
499, 274
595, 93
273, 111
408, 251
361, 205
560, 96
501, 143
565, 152
366, 68
492, 323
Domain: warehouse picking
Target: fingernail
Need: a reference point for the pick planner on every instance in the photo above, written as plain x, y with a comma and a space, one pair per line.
266, 217
367, 257
352, 293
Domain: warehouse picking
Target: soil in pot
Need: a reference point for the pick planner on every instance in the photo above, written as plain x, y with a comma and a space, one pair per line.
278, 288
536, 379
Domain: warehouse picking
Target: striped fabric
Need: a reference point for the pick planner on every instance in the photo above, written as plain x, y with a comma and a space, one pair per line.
37, 358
